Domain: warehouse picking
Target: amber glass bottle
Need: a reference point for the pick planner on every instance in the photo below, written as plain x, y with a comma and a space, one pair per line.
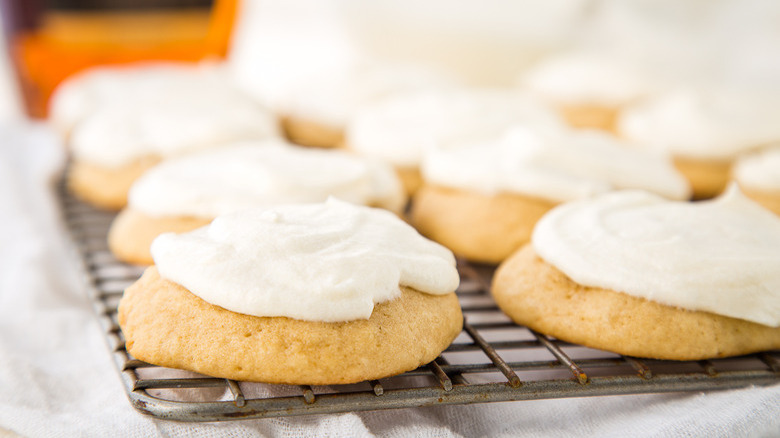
50, 40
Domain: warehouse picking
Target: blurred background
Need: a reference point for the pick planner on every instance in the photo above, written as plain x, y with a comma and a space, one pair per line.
49, 40
486, 42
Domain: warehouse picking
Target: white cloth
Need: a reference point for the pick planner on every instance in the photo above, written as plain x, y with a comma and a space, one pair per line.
57, 377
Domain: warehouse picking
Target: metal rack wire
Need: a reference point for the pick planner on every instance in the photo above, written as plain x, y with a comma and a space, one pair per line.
492, 360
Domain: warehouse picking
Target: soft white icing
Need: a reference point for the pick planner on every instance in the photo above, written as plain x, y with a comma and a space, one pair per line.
331, 261
333, 96
170, 122
558, 165
232, 178
82, 93
585, 78
702, 125
759, 171
719, 256
400, 129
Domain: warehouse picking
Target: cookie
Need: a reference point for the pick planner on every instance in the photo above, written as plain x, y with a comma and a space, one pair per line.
704, 130
309, 133
482, 228
106, 187
82, 93
483, 200
708, 178
402, 129
535, 294
166, 325
768, 199
411, 179
590, 116
758, 175
157, 116
185, 193
589, 89
319, 293
132, 232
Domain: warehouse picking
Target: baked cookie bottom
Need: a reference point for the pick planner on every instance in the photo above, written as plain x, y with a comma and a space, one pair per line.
536, 294
769, 199
590, 116
165, 324
106, 187
411, 179
132, 232
307, 133
707, 178
482, 228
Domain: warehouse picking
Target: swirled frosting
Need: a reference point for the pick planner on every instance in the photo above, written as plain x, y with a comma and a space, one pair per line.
176, 121
331, 261
258, 174
83, 93
583, 78
702, 125
720, 256
559, 165
399, 130
760, 170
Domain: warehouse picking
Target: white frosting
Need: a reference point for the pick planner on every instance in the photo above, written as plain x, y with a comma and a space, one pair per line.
84, 92
400, 129
719, 256
583, 78
759, 171
330, 261
224, 180
559, 166
174, 121
702, 125
335, 95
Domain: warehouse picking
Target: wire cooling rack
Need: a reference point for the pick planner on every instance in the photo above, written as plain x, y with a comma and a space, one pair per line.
492, 360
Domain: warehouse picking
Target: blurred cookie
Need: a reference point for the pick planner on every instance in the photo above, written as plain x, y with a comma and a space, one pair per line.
758, 175
483, 200
703, 130
106, 187
125, 134
479, 227
83, 93
317, 109
185, 193
588, 89
400, 129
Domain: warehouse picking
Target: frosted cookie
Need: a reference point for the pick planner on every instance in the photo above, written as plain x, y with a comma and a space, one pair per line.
317, 110
703, 131
588, 89
185, 193
758, 176
399, 130
83, 93
121, 139
314, 294
483, 200
666, 280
